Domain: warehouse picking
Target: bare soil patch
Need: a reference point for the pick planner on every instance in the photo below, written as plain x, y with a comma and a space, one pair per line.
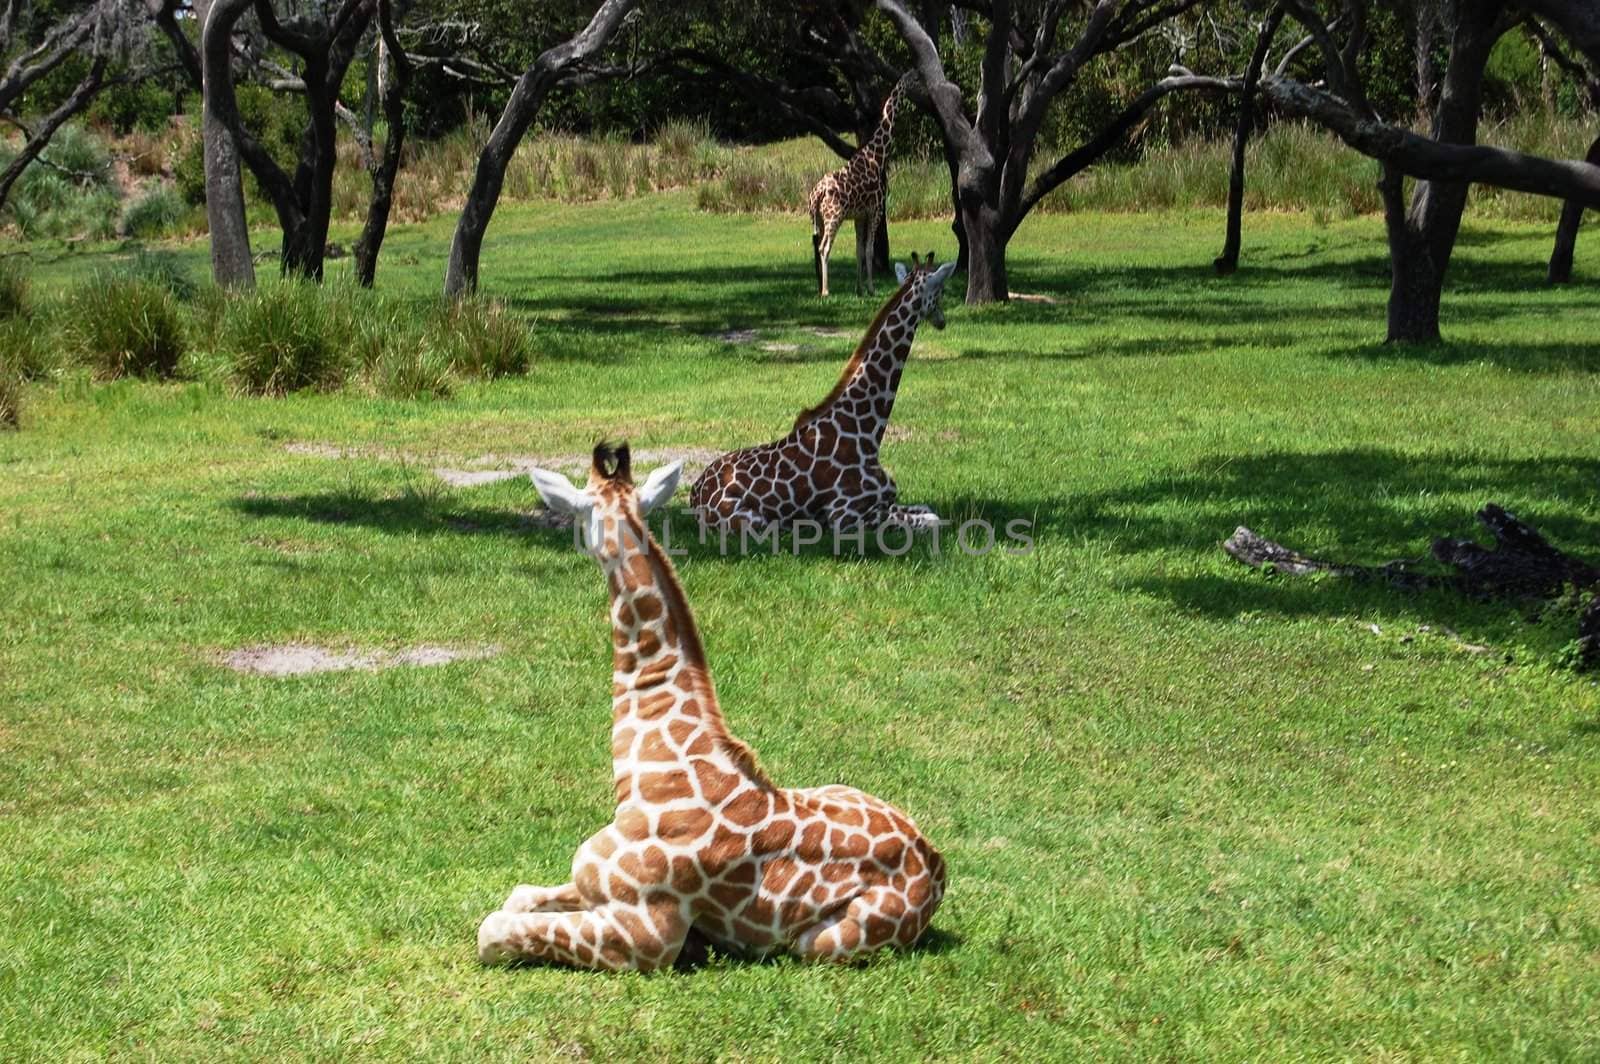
300, 659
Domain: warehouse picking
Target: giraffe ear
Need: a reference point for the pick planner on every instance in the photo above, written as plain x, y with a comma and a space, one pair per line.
660, 485
943, 273
557, 491
900, 272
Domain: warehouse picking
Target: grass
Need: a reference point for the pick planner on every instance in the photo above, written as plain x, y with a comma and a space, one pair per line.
1190, 811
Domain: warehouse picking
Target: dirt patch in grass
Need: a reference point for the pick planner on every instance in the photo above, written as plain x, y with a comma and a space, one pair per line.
300, 659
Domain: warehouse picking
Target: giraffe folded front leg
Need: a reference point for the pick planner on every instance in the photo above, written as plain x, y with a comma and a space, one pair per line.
531, 899
914, 517
612, 937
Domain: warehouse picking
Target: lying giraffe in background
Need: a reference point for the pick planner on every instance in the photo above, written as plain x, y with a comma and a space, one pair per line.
827, 468
856, 190
702, 839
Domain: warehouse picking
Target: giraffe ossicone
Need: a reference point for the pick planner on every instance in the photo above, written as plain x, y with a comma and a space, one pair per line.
856, 191
827, 469
702, 840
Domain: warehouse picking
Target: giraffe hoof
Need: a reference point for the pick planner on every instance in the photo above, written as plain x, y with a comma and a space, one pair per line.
494, 938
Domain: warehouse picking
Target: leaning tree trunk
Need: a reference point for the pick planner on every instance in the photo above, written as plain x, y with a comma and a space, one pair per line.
231, 266
461, 271
1560, 271
391, 91
39, 137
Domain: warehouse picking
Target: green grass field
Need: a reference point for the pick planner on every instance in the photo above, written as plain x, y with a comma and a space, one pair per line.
1190, 811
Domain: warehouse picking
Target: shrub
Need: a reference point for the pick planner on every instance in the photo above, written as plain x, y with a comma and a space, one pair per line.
28, 349
480, 338
13, 290
283, 337
162, 268
188, 163
125, 327
80, 156
10, 392
156, 213
411, 371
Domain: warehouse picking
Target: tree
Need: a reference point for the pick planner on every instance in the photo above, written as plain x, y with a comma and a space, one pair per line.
1560, 268
1026, 66
220, 131
563, 64
96, 31
1447, 160
391, 89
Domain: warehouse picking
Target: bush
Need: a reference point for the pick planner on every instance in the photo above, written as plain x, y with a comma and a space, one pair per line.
79, 156
13, 290
480, 338
68, 195
156, 213
284, 337
125, 327
162, 268
10, 392
188, 163
411, 371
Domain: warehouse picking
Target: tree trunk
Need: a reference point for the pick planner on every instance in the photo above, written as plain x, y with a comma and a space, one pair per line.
391, 91
986, 254
1560, 271
231, 266
1422, 238
1228, 261
461, 271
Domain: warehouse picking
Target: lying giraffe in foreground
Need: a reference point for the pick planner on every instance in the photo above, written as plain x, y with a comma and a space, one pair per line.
702, 839
827, 468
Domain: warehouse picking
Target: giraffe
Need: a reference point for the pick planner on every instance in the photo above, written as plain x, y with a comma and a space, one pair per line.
702, 840
856, 190
827, 468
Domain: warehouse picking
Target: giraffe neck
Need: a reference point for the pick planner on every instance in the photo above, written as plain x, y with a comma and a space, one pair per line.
877, 147
864, 396
664, 708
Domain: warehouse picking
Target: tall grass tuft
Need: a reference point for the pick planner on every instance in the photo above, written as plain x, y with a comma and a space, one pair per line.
13, 290
125, 327
479, 337
159, 212
282, 337
11, 385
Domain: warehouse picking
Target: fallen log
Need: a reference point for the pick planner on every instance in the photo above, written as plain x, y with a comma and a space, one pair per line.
1521, 564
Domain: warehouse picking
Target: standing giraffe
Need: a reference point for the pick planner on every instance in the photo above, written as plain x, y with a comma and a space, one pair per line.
827, 468
856, 190
702, 839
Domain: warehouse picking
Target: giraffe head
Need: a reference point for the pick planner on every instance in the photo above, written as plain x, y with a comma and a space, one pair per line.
608, 510
925, 282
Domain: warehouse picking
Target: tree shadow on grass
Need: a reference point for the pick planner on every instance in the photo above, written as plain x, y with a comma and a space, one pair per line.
1357, 505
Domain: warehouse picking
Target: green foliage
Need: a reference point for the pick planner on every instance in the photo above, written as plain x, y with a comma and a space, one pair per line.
147, 104
68, 192
122, 326
411, 371
163, 268
14, 301
188, 164
284, 337
479, 337
156, 213
11, 380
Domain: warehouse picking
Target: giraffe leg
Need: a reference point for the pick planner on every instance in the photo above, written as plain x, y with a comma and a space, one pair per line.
830, 227
816, 250
610, 936
850, 934
912, 516
870, 257
863, 267
531, 899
